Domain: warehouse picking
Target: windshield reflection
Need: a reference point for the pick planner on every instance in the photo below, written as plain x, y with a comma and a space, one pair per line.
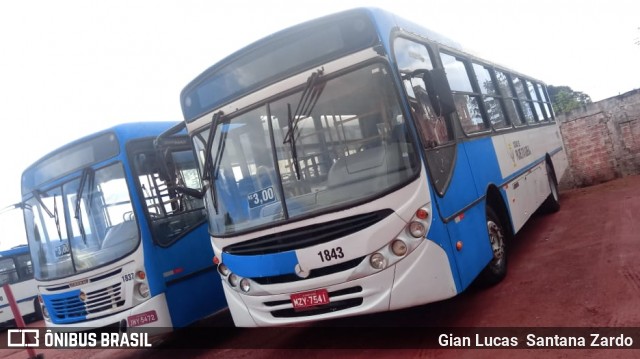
72, 229
351, 145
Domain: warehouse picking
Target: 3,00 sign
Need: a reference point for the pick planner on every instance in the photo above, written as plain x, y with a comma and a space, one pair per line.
261, 197
328, 255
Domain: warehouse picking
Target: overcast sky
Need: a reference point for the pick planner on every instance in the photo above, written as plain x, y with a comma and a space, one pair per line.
70, 68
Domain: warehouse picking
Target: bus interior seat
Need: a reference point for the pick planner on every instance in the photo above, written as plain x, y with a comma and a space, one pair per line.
235, 195
372, 167
121, 233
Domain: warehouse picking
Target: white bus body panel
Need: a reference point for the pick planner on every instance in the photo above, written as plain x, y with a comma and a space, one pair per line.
423, 276
25, 293
516, 151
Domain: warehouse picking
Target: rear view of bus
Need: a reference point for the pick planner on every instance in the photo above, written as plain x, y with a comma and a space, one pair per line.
342, 178
113, 241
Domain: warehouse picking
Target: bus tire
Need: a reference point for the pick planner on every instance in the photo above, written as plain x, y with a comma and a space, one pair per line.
552, 203
496, 269
37, 310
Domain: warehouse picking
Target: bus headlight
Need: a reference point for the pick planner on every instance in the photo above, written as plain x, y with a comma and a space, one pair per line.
417, 229
377, 261
143, 290
234, 279
245, 285
399, 248
223, 270
45, 313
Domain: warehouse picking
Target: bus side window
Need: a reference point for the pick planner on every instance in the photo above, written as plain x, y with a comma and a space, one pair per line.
432, 127
413, 57
468, 101
25, 267
8, 272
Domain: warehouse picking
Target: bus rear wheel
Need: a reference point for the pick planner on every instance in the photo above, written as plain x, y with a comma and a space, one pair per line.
552, 203
496, 270
37, 310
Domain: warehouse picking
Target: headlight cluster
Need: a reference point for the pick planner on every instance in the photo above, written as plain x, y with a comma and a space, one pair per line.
43, 309
406, 241
141, 286
233, 279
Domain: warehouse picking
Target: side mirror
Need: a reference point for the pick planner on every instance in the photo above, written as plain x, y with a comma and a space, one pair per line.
439, 91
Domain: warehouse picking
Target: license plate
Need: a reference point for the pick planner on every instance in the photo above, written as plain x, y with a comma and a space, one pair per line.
310, 299
142, 318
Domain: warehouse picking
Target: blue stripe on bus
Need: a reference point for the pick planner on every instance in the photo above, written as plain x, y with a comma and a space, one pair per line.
263, 265
20, 301
483, 163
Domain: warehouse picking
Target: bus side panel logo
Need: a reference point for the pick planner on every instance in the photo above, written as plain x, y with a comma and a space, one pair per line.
22, 338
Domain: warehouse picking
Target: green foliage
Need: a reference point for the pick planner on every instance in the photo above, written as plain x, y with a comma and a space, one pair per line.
564, 99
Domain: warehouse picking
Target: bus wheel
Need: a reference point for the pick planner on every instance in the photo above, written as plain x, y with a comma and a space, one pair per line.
552, 203
496, 270
37, 310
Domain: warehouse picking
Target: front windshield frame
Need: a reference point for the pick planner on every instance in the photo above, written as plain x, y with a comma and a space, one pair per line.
393, 123
111, 229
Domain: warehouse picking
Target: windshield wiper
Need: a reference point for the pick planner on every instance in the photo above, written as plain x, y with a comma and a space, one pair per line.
310, 95
86, 174
38, 196
207, 168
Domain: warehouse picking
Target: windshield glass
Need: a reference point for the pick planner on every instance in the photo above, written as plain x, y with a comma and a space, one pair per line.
72, 230
272, 58
351, 144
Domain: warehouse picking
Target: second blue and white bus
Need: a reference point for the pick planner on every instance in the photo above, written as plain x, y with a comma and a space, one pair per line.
16, 270
114, 239
360, 163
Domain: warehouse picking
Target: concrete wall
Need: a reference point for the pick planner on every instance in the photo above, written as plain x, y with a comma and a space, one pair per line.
602, 140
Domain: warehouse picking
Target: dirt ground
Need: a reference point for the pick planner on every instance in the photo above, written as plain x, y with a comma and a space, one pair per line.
575, 268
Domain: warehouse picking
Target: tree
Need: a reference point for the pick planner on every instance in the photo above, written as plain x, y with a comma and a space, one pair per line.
564, 99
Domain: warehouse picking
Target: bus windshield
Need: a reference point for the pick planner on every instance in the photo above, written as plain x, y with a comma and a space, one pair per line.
278, 162
81, 224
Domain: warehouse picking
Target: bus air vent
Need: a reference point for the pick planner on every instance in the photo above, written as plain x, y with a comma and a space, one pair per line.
307, 236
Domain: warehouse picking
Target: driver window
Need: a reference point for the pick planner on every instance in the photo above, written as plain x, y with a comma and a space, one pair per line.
413, 57
172, 212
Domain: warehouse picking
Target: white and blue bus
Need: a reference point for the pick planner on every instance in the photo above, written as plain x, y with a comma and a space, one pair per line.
114, 239
360, 163
16, 270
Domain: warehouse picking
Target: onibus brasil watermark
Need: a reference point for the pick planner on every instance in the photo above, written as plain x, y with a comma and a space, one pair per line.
24, 338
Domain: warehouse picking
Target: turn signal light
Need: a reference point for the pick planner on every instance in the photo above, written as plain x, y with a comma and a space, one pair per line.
422, 213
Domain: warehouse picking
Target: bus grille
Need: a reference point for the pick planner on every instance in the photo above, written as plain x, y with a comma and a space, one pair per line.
314, 273
307, 236
69, 308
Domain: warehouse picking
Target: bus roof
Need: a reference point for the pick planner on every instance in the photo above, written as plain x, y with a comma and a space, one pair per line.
385, 22
21, 249
123, 132
233, 87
